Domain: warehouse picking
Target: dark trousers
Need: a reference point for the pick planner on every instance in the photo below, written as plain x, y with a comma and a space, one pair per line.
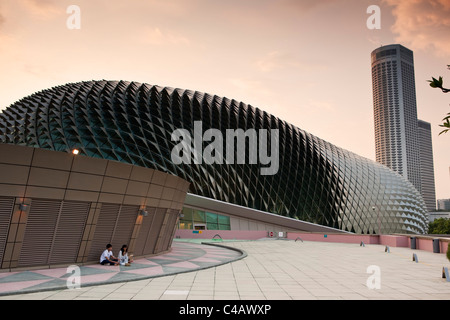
112, 262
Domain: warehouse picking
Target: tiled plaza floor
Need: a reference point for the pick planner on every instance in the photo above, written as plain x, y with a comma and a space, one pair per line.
184, 257
286, 270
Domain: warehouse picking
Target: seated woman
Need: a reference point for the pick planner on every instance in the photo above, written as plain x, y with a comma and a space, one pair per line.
124, 260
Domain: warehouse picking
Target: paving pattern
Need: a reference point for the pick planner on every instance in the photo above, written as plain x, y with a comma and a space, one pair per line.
283, 270
184, 257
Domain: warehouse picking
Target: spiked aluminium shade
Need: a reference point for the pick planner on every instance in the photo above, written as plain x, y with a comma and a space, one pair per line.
132, 122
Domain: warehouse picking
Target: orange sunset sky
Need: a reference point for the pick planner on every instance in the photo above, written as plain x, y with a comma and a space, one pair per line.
304, 61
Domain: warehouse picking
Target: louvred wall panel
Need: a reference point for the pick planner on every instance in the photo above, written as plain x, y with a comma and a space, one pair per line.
6, 209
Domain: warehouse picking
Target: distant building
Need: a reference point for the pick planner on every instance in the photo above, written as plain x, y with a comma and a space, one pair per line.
437, 215
426, 165
395, 111
443, 204
403, 143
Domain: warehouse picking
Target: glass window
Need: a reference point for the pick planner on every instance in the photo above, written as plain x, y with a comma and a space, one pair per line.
199, 216
186, 219
213, 221
224, 227
212, 226
187, 214
211, 217
186, 225
223, 220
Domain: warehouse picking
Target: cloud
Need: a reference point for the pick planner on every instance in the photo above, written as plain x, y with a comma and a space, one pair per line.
245, 84
278, 61
320, 106
248, 84
154, 36
2, 17
303, 5
6, 40
35, 70
422, 24
43, 9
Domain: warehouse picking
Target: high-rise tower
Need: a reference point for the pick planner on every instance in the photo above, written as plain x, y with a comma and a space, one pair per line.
427, 165
395, 111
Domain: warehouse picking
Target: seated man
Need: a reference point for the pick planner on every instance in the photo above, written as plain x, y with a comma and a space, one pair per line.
107, 257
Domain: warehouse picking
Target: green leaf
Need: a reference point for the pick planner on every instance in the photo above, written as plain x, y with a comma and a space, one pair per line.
435, 83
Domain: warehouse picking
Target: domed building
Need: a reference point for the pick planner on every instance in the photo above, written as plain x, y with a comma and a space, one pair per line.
315, 183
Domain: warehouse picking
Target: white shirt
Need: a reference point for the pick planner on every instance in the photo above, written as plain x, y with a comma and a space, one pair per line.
105, 254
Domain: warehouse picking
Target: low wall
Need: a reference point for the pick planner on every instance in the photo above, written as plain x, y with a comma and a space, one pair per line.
396, 240
422, 242
426, 243
444, 246
340, 238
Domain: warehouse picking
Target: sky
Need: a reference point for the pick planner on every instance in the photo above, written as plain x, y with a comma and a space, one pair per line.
304, 61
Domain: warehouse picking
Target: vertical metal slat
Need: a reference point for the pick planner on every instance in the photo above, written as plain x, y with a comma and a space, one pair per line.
69, 232
39, 232
6, 210
104, 230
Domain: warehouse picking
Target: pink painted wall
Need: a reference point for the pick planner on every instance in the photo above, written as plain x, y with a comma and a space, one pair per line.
443, 246
341, 238
424, 244
225, 234
387, 240
394, 241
